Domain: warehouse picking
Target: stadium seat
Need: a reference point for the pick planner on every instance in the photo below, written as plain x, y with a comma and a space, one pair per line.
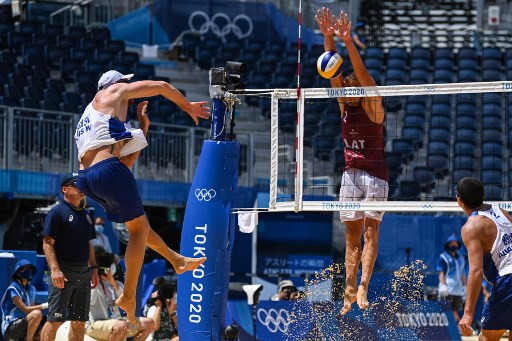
8, 57
396, 63
37, 82
443, 64
493, 192
396, 75
419, 77
491, 75
492, 149
440, 134
33, 94
426, 177
413, 134
464, 121
491, 53
441, 109
65, 41
466, 162
492, 177
420, 53
371, 52
442, 76
408, 190
466, 109
465, 76
464, 147
492, 98
77, 31
492, 135
465, 134
99, 33
440, 121
421, 64
443, 53
492, 163
459, 174
52, 29
404, 147
490, 64
52, 95
439, 163
468, 64
467, 53
29, 27
373, 63
415, 121
398, 53
439, 148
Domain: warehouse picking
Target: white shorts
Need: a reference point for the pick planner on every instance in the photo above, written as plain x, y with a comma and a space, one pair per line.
358, 185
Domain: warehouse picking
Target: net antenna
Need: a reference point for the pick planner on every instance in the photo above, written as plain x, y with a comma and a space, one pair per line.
296, 202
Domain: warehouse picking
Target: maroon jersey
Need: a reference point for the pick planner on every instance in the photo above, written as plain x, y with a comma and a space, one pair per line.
364, 142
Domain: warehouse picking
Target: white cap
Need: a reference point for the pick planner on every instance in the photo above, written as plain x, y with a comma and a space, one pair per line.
112, 77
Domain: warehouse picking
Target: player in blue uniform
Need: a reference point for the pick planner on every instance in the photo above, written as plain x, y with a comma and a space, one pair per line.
488, 238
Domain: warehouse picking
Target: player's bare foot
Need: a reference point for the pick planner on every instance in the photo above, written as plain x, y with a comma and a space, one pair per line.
362, 297
188, 264
348, 299
128, 305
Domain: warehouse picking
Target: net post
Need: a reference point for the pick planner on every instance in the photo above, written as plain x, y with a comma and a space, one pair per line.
299, 152
274, 146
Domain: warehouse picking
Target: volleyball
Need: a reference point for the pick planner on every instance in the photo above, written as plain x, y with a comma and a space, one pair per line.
329, 64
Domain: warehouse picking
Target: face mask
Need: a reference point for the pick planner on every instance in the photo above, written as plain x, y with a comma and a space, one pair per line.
113, 269
27, 274
453, 249
99, 228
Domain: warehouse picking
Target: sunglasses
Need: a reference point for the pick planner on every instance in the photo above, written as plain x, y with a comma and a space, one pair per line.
72, 184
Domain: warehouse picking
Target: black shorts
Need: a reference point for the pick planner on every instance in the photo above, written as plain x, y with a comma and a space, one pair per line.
17, 329
73, 301
457, 303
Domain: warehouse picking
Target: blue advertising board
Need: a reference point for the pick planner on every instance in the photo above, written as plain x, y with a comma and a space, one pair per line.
385, 320
291, 264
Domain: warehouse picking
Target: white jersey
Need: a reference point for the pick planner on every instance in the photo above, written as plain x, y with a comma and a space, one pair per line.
498, 262
96, 129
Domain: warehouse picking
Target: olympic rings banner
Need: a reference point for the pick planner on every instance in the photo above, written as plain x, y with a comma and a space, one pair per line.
303, 320
208, 231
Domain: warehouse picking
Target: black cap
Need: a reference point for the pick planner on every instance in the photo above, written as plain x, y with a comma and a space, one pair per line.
68, 179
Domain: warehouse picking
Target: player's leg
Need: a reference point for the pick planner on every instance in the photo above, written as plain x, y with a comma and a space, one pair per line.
368, 258
375, 189
76, 331
490, 335
352, 260
179, 262
349, 191
134, 257
49, 330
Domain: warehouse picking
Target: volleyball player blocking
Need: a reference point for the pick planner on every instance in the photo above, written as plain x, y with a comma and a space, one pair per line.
365, 177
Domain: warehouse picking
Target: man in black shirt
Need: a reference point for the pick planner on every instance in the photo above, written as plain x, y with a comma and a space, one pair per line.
68, 231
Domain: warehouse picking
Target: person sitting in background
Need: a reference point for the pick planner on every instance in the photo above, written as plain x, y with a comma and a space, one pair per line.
163, 313
21, 318
286, 291
452, 277
101, 238
105, 320
359, 38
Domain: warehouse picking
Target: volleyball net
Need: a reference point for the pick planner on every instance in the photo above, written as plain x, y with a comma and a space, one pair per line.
434, 135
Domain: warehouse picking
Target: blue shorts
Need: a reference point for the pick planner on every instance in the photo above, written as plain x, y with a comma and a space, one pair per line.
497, 312
111, 184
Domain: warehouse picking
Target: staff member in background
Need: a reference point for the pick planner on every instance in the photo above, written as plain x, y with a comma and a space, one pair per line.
101, 238
20, 316
68, 231
452, 276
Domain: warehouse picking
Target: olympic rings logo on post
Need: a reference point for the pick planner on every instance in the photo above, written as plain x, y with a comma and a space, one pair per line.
220, 24
274, 320
203, 194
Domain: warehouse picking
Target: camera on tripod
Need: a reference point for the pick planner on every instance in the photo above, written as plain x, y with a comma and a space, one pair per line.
228, 77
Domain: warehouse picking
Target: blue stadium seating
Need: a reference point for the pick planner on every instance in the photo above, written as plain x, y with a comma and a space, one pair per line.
398, 53
465, 76
466, 162
440, 121
492, 149
443, 76
408, 190
404, 147
492, 98
465, 134
492, 163
465, 121
420, 64
491, 75
426, 177
419, 77
372, 52
493, 192
467, 53
440, 163
413, 134
441, 109
443, 64
492, 177
465, 147
415, 121
459, 174
439, 148
468, 64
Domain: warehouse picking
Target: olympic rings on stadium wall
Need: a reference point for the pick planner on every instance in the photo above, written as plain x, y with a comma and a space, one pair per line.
274, 320
216, 25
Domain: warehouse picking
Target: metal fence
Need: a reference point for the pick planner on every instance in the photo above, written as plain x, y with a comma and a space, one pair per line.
43, 141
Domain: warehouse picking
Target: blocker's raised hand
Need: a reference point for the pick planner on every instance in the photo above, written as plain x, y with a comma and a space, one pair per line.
342, 27
323, 18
